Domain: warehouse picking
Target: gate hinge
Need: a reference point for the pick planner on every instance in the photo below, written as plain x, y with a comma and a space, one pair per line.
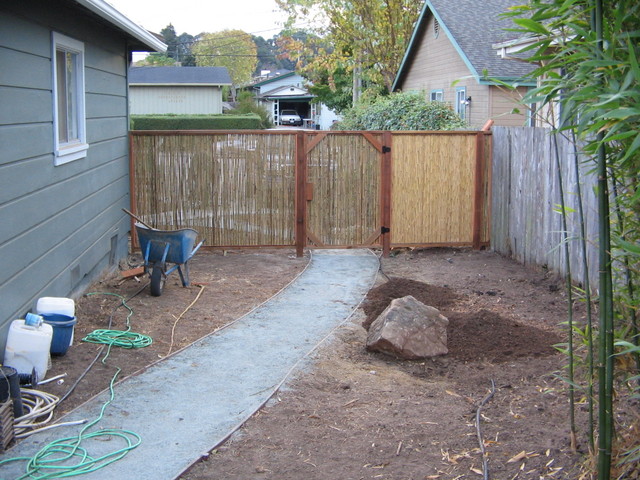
386, 149
384, 230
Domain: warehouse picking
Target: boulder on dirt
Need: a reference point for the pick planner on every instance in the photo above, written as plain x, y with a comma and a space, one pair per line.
410, 330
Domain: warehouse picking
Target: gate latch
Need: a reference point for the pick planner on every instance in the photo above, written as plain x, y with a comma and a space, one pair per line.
384, 230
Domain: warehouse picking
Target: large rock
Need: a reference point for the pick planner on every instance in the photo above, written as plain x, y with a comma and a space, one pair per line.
409, 329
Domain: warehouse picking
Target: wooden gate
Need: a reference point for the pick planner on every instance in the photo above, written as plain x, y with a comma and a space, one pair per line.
344, 188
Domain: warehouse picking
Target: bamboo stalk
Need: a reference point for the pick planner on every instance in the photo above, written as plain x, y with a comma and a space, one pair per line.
605, 367
587, 287
569, 284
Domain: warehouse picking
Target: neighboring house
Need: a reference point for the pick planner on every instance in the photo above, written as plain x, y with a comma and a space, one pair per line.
64, 163
548, 114
451, 59
177, 90
285, 90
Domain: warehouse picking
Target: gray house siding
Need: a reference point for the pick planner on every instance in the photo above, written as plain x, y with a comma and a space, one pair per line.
60, 226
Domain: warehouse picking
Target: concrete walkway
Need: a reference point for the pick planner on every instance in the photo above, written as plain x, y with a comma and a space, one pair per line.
186, 404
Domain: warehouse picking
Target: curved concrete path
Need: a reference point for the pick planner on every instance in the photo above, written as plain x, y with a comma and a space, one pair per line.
188, 403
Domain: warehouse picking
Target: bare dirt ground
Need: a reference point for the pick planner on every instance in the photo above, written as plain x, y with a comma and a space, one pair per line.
354, 414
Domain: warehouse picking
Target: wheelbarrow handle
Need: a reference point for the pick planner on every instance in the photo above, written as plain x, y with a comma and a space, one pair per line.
137, 218
196, 249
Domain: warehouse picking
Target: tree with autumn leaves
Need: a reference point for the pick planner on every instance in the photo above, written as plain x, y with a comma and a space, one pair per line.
343, 47
363, 40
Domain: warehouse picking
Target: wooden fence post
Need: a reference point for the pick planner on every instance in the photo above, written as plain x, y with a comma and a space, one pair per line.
301, 194
385, 174
478, 196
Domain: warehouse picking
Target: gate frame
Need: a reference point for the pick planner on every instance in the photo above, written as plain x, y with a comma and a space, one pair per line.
304, 190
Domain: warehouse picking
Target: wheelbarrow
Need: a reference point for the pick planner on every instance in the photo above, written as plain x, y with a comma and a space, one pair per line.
163, 247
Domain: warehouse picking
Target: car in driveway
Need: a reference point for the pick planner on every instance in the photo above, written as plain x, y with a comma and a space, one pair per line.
290, 117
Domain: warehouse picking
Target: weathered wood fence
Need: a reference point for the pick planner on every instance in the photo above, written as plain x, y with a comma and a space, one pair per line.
526, 222
338, 189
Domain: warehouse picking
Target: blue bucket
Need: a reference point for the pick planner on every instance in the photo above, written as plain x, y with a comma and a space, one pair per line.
62, 332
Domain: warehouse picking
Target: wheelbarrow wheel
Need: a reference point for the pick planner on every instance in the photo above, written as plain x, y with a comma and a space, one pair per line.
157, 280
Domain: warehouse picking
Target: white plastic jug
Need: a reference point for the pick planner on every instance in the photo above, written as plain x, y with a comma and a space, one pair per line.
28, 348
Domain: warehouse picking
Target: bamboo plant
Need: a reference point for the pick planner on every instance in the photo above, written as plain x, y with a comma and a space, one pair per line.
587, 55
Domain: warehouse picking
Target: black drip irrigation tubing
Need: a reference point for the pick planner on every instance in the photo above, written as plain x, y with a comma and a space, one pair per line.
485, 400
99, 354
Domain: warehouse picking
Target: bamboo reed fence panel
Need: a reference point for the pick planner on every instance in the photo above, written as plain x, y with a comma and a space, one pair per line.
344, 170
235, 189
433, 189
526, 223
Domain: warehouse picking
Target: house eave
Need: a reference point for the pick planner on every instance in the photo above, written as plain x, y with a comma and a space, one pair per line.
155, 84
510, 47
417, 30
291, 98
114, 17
274, 79
513, 82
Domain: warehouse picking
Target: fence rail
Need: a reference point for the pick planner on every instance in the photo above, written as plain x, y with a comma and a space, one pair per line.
294, 188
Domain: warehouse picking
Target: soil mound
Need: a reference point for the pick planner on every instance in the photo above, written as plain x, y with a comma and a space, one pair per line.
472, 336
380, 297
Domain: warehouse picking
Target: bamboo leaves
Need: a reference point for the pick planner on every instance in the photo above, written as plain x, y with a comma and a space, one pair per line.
587, 55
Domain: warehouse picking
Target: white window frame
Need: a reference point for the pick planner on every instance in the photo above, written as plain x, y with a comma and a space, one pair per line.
531, 115
76, 148
437, 95
461, 102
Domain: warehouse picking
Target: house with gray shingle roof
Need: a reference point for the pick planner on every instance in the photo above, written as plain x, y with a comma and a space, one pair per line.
451, 58
177, 90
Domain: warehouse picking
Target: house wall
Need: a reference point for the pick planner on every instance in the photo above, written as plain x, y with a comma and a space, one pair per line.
61, 226
436, 65
502, 104
326, 118
145, 100
285, 81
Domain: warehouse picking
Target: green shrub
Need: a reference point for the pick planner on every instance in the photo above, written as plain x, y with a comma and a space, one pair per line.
246, 104
196, 122
401, 111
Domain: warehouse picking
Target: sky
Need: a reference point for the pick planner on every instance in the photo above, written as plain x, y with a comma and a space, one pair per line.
257, 17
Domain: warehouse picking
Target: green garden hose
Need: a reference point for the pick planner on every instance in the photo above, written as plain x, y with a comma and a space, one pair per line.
118, 338
56, 460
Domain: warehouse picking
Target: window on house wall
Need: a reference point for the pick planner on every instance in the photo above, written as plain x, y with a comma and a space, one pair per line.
437, 96
68, 99
531, 115
460, 106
